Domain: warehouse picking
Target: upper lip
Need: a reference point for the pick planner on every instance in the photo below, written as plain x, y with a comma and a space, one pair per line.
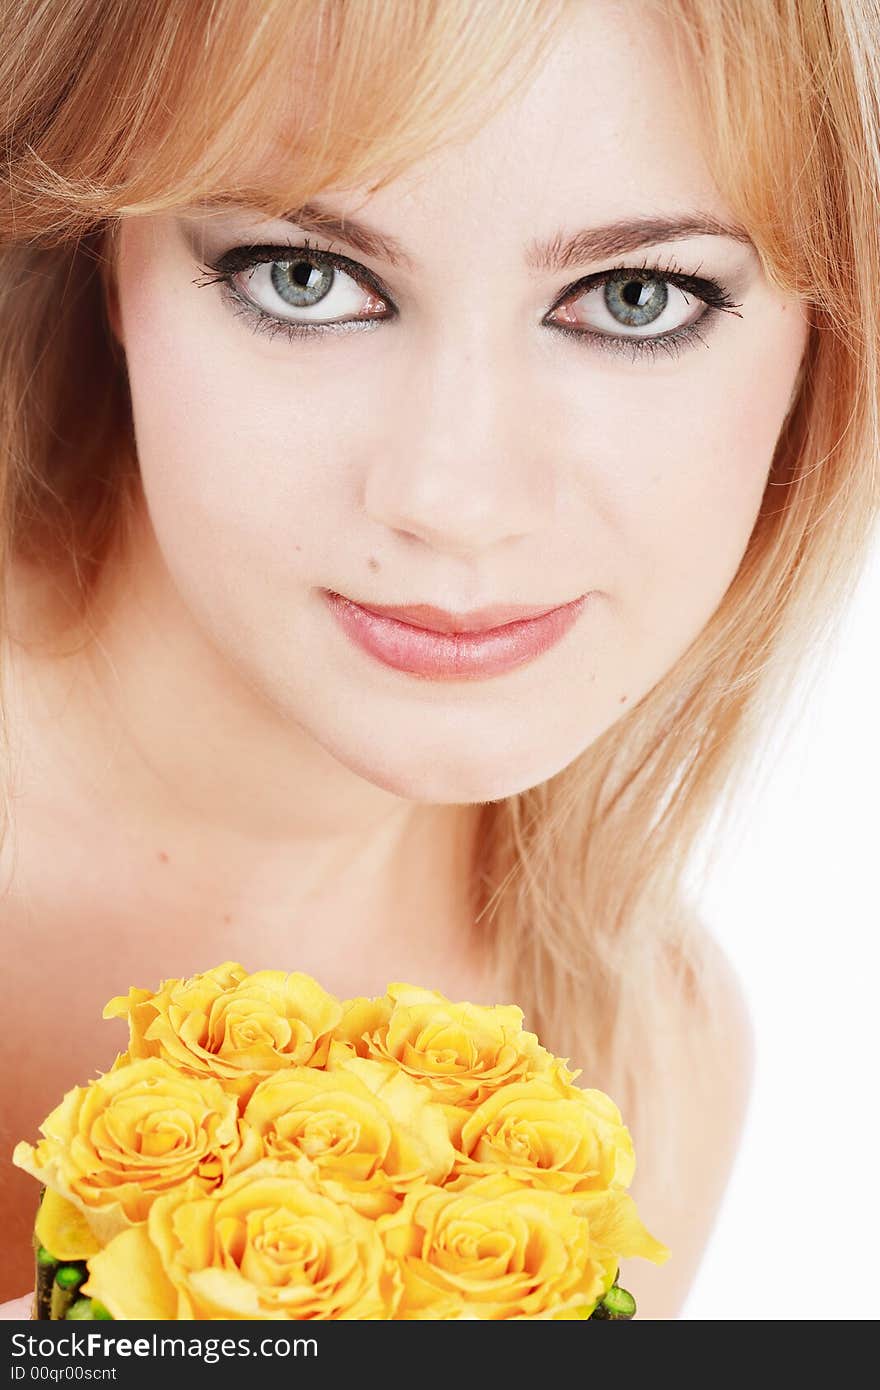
440, 620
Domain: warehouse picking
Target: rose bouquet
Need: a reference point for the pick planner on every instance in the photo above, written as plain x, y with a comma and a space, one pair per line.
264, 1150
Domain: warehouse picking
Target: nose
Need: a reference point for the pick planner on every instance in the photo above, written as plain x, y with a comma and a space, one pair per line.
457, 466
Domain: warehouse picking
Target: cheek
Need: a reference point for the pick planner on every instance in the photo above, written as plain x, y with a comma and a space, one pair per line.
713, 469
677, 491
691, 522
241, 488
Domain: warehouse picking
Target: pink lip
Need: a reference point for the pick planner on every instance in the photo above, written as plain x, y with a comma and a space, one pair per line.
438, 620
464, 646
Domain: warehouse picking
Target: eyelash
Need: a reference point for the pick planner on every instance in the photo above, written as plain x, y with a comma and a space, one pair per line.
239, 258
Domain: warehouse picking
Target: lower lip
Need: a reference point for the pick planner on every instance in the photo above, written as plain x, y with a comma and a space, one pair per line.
453, 656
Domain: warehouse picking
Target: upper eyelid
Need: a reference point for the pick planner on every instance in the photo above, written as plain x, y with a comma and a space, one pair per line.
688, 282
282, 249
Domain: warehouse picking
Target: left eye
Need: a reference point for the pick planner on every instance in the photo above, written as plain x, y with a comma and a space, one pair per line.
630, 301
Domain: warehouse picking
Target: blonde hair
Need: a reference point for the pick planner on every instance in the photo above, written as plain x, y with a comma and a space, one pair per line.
109, 110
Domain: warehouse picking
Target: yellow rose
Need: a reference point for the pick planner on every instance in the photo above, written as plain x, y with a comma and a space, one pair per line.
231, 1025
361, 1018
568, 1140
370, 1131
463, 1052
269, 1244
499, 1248
112, 1147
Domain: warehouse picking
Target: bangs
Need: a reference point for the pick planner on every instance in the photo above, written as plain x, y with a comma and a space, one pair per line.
268, 104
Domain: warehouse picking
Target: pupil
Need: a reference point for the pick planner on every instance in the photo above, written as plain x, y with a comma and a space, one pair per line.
633, 293
302, 273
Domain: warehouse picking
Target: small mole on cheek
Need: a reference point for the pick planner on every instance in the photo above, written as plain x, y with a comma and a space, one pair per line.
373, 563
162, 856
227, 917
623, 698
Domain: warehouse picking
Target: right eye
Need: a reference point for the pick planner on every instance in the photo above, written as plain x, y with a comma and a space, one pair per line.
289, 288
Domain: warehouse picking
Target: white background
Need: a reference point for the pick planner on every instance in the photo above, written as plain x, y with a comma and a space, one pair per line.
795, 901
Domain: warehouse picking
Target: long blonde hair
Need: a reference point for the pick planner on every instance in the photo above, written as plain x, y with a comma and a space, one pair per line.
109, 109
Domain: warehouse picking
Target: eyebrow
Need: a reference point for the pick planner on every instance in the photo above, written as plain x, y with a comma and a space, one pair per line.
618, 238
557, 253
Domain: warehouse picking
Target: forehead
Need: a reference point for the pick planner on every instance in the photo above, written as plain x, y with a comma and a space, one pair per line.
600, 130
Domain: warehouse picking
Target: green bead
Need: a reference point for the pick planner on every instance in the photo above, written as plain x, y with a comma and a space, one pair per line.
70, 1276
44, 1257
99, 1311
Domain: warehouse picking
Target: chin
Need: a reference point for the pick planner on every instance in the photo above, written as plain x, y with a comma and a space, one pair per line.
449, 780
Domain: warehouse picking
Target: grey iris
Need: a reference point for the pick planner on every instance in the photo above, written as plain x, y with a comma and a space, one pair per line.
301, 282
636, 301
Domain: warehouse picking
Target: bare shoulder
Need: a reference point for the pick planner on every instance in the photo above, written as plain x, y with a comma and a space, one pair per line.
712, 1058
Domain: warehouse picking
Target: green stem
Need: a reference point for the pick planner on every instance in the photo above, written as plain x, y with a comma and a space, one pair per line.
46, 1265
68, 1278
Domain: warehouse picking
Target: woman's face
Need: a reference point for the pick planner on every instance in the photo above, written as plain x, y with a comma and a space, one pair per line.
457, 447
